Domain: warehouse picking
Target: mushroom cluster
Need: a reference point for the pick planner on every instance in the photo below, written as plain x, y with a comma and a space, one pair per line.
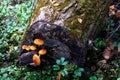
44, 43
37, 45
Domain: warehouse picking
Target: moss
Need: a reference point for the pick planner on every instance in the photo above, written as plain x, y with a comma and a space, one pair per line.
37, 9
65, 4
91, 9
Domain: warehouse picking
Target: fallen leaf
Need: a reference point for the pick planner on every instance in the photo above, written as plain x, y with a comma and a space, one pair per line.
111, 13
80, 20
107, 54
111, 7
56, 4
111, 45
117, 14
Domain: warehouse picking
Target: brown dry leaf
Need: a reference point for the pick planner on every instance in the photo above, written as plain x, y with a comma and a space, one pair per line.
111, 7
111, 13
107, 54
117, 14
56, 4
80, 20
111, 45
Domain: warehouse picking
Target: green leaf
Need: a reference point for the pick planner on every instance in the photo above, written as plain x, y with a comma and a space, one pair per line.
93, 78
119, 44
62, 59
58, 61
111, 22
65, 63
118, 78
64, 72
56, 67
100, 78
78, 72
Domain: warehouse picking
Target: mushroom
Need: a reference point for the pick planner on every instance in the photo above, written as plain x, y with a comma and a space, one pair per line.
27, 48
24, 46
36, 59
38, 42
32, 47
42, 52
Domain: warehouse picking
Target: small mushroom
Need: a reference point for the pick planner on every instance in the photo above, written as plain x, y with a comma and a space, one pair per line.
36, 59
24, 46
27, 48
38, 42
32, 47
42, 52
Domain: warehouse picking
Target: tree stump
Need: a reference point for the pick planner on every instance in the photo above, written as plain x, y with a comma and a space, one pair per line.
59, 26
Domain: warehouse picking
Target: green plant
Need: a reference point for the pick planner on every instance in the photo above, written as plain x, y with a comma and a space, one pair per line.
66, 69
32, 75
60, 66
13, 22
118, 78
11, 73
2, 57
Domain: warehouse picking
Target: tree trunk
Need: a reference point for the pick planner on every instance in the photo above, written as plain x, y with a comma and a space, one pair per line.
50, 22
81, 16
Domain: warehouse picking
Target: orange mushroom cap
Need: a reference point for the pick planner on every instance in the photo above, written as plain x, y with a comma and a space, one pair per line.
38, 42
24, 46
42, 52
36, 59
27, 48
32, 47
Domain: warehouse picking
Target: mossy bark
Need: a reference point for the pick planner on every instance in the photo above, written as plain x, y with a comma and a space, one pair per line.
83, 17
67, 12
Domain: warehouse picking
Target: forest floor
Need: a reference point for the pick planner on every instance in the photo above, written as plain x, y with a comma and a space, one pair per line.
102, 60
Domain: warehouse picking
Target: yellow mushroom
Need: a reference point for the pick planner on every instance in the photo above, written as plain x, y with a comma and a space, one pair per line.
36, 59
32, 47
38, 42
42, 52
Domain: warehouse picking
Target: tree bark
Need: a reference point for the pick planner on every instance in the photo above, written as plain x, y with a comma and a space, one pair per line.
51, 20
67, 12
